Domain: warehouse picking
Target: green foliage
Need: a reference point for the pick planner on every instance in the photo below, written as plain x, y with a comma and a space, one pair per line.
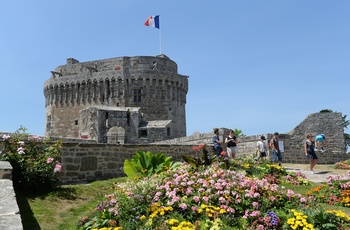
200, 159
238, 132
144, 164
34, 161
326, 111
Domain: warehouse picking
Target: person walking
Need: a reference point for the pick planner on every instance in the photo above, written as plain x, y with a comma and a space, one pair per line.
217, 143
262, 149
231, 142
309, 148
276, 153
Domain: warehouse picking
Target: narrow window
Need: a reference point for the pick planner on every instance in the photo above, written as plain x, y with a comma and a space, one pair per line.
76, 122
168, 131
137, 95
48, 123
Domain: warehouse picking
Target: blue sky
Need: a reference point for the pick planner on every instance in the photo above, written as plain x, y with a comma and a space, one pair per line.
257, 65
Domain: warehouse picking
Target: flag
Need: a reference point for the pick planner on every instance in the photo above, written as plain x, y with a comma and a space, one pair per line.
153, 21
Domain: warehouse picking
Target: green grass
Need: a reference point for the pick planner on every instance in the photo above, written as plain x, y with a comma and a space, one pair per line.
62, 208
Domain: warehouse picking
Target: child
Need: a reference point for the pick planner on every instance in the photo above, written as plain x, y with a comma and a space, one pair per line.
319, 141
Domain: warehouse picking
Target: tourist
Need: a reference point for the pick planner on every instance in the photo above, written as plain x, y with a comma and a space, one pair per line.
319, 141
262, 148
276, 153
231, 142
310, 152
217, 143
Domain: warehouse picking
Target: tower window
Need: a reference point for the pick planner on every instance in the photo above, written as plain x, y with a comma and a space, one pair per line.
142, 133
168, 132
48, 123
137, 95
76, 122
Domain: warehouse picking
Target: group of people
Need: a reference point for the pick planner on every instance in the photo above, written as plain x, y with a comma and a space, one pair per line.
310, 147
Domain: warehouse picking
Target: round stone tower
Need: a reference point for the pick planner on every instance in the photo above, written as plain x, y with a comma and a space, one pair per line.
143, 95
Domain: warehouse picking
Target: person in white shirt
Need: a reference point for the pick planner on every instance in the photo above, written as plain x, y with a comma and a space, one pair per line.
262, 148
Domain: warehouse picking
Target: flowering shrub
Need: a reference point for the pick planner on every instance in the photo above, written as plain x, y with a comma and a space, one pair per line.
200, 159
34, 161
183, 199
336, 191
343, 165
297, 178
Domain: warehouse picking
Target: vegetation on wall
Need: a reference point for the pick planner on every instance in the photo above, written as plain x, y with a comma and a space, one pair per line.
345, 123
35, 161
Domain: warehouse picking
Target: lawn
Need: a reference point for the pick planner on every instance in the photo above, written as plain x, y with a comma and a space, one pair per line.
63, 207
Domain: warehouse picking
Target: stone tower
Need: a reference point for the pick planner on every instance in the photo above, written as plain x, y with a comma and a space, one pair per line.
118, 100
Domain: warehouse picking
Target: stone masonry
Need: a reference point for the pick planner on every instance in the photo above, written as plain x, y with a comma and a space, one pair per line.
9, 211
141, 99
86, 160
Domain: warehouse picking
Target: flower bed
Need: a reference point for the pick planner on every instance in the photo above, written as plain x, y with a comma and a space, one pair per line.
211, 198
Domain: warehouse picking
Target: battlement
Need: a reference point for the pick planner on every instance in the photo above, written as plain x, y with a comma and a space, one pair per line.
149, 83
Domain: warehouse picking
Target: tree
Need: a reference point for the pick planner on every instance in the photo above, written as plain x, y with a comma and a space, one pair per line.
345, 124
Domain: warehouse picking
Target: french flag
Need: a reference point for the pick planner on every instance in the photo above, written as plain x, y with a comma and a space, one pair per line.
153, 21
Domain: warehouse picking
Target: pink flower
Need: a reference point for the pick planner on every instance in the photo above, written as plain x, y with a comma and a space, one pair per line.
5, 137
183, 206
196, 199
20, 150
58, 167
49, 160
255, 204
302, 200
205, 199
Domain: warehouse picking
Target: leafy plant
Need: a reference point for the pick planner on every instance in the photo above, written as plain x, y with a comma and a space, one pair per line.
200, 159
35, 161
144, 164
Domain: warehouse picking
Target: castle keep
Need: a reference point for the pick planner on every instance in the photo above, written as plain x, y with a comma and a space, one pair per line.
119, 100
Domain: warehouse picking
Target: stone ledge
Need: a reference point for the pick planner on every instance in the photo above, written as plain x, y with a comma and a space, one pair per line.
5, 170
10, 217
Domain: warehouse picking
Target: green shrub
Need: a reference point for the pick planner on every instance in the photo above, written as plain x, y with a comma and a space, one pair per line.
144, 164
34, 161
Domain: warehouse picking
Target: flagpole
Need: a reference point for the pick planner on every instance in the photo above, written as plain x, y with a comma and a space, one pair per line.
160, 41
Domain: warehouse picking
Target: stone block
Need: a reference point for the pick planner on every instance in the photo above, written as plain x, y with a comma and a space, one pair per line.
88, 163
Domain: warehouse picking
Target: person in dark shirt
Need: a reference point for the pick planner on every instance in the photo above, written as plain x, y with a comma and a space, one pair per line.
217, 143
276, 153
231, 142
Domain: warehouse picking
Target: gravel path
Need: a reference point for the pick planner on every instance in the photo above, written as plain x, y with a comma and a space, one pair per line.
322, 172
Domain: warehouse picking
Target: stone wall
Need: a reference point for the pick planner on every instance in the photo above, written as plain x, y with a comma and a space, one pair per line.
83, 160
9, 211
88, 162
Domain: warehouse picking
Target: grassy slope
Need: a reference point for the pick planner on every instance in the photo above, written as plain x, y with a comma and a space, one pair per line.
62, 208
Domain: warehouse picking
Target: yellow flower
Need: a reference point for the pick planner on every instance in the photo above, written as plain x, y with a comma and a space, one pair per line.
143, 217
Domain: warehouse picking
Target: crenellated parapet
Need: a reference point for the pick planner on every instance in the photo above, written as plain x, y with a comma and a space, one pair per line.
113, 81
151, 83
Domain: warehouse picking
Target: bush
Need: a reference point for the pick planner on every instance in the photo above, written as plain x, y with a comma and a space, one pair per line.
35, 162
